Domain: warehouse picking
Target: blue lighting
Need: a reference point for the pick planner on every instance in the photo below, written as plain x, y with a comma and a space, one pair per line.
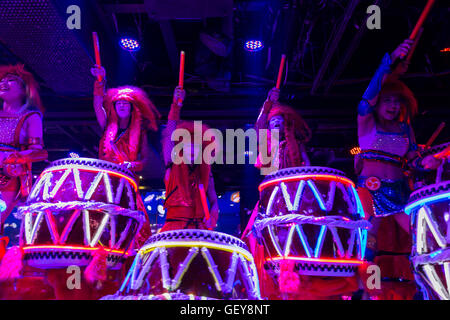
429, 200
253, 45
129, 44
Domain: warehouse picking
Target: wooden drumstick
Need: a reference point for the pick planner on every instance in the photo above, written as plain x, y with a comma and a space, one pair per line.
422, 18
97, 53
280, 71
435, 135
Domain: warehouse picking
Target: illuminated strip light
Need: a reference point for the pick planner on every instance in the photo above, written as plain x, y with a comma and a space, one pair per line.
271, 199
423, 219
337, 241
100, 230
351, 244
231, 273
411, 206
138, 265
109, 194
93, 186
318, 260
78, 183
189, 244
213, 269
164, 265
298, 194
327, 177
37, 188
59, 183
183, 267
89, 169
437, 285
144, 270
119, 191
69, 226
287, 247
274, 241
123, 235
74, 248
52, 226
122, 287
317, 195
247, 282
87, 227
112, 224
320, 240
362, 242
359, 206
31, 228
303, 239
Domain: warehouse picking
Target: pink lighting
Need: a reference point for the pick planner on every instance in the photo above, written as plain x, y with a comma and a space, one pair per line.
326, 177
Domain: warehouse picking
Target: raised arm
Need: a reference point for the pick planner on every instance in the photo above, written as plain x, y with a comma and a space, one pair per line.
370, 97
173, 119
272, 97
99, 93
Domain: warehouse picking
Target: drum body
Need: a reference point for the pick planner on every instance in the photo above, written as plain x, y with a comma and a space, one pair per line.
75, 207
429, 177
311, 216
191, 264
429, 208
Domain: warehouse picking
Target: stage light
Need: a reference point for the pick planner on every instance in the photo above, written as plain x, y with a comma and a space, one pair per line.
253, 45
446, 50
129, 44
355, 151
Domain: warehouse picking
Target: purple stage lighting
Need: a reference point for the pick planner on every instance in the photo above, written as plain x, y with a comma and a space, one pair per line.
129, 44
253, 45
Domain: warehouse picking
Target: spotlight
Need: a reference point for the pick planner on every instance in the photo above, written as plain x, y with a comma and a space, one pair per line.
129, 44
446, 50
253, 45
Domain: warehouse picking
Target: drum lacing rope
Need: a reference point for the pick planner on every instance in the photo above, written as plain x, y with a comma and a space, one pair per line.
332, 221
109, 208
431, 258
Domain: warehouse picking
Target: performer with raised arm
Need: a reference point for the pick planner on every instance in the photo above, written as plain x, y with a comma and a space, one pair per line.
294, 132
21, 137
387, 143
124, 114
188, 184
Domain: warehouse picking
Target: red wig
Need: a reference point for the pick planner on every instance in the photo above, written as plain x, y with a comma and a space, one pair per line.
144, 116
30, 84
409, 107
296, 131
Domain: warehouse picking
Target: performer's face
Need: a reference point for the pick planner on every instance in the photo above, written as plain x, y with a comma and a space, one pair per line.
389, 107
277, 122
123, 109
191, 151
11, 88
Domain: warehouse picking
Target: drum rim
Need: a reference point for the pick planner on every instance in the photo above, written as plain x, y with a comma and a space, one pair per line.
303, 170
435, 149
182, 234
91, 162
426, 191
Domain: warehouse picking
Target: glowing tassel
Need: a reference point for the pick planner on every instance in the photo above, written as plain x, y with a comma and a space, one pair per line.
289, 281
96, 270
12, 264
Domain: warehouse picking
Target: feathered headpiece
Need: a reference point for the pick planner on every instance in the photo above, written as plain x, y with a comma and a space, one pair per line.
31, 85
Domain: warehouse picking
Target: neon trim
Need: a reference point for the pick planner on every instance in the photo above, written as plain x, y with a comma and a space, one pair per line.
317, 195
327, 177
411, 206
319, 243
61, 247
317, 260
303, 239
89, 169
190, 244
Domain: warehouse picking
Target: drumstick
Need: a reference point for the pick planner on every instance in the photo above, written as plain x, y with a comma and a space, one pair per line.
413, 47
421, 20
435, 134
280, 71
97, 53
204, 202
181, 75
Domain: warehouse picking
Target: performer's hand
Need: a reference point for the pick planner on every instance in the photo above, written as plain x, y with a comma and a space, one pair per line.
98, 71
402, 50
178, 96
274, 95
431, 163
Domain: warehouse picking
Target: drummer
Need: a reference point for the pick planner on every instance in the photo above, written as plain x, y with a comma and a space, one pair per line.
21, 138
387, 143
188, 184
125, 114
294, 132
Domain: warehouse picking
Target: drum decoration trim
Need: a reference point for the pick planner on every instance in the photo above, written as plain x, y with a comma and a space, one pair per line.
431, 250
314, 264
156, 253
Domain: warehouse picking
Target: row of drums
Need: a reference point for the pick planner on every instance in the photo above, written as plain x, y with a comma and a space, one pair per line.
311, 216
